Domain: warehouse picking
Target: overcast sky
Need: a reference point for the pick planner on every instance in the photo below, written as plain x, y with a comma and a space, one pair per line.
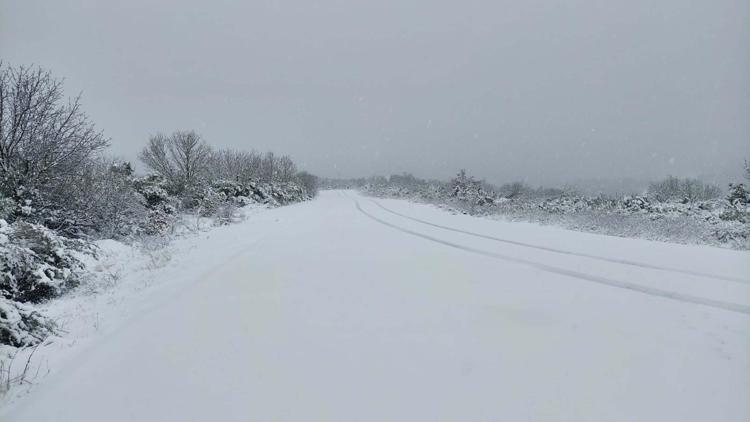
547, 91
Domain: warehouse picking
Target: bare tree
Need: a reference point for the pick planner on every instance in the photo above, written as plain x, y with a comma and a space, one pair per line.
286, 169
41, 135
268, 169
689, 190
190, 155
514, 189
235, 165
182, 158
156, 156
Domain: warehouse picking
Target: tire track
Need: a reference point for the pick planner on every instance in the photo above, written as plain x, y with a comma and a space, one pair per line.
680, 297
565, 252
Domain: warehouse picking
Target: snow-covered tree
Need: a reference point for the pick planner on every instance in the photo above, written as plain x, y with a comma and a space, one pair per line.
268, 167
182, 158
235, 165
44, 138
286, 169
738, 195
469, 190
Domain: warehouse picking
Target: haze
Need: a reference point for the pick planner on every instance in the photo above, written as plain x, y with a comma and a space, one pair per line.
545, 91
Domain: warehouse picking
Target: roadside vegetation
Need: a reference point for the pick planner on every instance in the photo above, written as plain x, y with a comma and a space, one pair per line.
60, 193
674, 209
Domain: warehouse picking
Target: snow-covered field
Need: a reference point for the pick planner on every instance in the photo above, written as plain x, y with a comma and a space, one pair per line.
348, 308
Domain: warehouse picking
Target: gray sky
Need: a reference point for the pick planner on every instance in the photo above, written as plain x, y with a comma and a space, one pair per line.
547, 91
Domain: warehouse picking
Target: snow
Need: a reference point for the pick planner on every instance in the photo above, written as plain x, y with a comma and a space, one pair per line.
316, 311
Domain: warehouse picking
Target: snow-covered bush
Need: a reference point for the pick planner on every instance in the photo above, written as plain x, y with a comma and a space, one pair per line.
8, 208
209, 201
739, 207
276, 194
739, 195
470, 191
567, 204
226, 213
162, 208
36, 264
97, 200
738, 235
231, 189
152, 188
21, 325
241, 201
287, 193
637, 203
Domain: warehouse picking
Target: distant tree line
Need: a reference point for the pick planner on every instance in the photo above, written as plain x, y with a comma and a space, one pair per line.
669, 189
687, 190
675, 209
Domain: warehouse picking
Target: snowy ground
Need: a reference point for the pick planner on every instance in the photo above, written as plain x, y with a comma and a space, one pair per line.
342, 309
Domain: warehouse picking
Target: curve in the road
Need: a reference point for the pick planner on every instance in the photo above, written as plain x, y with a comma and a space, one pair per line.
565, 252
732, 307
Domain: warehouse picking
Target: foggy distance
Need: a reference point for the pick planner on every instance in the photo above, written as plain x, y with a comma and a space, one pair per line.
547, 92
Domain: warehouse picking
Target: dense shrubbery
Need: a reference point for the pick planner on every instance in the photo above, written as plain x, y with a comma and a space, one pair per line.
683, 210
470, 191
36, 263
58, 193
21, 325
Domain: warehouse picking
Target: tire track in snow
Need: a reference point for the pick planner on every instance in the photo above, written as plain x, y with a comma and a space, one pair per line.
680, 297
565, 252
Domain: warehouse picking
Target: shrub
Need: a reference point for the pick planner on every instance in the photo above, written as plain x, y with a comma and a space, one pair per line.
97, 200
226, 213
231, 189
8, 208
161, 207
469, 190
21, 325
209, 201
153, 190
739, 207
309, 182
738, 195
36, 264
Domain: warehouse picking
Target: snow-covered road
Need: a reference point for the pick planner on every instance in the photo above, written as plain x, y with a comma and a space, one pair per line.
356, 309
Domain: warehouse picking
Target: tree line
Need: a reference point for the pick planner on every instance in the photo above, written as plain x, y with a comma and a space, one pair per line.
54, 169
